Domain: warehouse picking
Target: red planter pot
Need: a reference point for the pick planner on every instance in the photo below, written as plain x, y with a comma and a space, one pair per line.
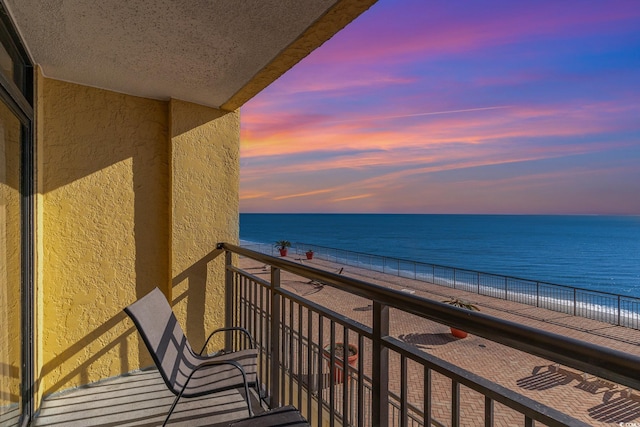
283, 252
458, 333
338, 371
309, 255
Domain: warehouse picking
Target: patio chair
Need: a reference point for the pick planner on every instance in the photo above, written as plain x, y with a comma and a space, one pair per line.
185, 372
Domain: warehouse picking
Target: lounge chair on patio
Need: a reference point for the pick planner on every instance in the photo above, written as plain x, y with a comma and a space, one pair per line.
185, 372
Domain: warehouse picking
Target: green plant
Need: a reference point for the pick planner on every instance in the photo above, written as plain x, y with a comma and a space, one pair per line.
457, 302
310, 251
283, 244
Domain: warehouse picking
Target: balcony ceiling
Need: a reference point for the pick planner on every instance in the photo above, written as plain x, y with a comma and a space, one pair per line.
218, 53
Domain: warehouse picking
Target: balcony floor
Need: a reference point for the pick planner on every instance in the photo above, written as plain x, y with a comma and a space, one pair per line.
139, 399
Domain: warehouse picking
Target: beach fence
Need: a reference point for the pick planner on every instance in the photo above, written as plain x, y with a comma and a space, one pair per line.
601, 306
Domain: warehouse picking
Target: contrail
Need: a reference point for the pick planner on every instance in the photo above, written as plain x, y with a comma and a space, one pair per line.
432, 113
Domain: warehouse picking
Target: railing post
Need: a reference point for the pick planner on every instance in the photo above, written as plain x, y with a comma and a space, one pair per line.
455, 403
380, 372
276, 306
505, 288
575, 303
618, 310
488, 411
229, 298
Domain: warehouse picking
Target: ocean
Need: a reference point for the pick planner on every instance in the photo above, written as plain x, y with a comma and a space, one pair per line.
591, 252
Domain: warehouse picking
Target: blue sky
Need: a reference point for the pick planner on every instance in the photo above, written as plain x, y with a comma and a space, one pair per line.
455, 107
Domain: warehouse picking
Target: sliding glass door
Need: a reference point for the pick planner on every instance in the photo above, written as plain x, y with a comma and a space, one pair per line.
10, 266
16, 229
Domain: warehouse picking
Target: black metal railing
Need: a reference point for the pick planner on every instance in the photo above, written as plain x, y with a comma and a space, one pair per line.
615, 309
291, 330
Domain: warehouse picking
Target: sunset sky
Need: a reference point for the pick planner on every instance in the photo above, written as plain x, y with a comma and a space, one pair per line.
453, 106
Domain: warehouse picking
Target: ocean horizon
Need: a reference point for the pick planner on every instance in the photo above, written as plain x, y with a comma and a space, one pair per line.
595, 252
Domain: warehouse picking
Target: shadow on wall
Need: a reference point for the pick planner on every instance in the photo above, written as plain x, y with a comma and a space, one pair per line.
75, 351
106, 184
195, 278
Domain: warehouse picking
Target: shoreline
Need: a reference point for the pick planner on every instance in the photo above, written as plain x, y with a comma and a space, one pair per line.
610, 308
590, 252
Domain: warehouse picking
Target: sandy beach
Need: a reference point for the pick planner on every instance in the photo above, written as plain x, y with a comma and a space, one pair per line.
592, 400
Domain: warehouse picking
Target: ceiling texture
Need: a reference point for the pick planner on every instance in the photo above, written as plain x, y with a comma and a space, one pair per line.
218, 53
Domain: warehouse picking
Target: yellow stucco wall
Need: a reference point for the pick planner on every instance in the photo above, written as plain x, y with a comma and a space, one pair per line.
205, 152
135, 194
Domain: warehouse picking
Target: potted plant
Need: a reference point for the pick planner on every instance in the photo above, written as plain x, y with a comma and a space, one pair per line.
282, 246
352, 359
460, 303
309, 254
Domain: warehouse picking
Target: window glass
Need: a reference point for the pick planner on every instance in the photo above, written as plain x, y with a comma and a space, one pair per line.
10, 267
6, 63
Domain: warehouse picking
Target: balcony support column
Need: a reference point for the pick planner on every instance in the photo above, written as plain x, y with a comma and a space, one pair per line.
380, 374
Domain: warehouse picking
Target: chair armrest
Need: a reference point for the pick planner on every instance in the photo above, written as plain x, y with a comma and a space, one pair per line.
209, 363
233, 328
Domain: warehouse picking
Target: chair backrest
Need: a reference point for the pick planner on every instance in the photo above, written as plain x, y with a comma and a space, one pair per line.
163, 337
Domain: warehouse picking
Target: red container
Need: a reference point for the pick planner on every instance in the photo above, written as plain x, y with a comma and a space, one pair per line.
352, 360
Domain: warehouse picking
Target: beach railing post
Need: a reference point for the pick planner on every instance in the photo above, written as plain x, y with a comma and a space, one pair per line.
575, 302
454, 278
380, 365
275, 338
537, 294
478, 283
505, 287
619, 310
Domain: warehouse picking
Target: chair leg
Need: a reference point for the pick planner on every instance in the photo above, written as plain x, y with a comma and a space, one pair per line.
246, 391
173, 406
262, 395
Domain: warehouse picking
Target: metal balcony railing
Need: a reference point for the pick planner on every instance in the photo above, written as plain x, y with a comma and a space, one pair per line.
615, 309
293, 332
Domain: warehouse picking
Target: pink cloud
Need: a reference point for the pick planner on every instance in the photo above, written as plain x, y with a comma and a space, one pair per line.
277, 139
357, 128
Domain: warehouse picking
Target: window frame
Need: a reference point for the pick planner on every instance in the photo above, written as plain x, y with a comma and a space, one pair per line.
17, 94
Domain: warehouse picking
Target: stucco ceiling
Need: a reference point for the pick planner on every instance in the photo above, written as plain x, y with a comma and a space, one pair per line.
212, 52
